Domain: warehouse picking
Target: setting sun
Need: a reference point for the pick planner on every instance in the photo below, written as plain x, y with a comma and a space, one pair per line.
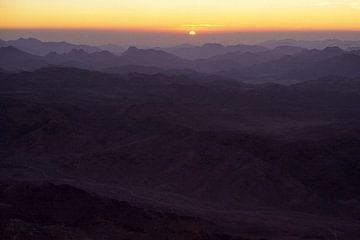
192, 33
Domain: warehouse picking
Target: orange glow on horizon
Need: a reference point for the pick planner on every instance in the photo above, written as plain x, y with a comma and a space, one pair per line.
182, 16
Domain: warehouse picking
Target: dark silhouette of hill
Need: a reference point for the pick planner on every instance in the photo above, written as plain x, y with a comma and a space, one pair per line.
116, 49
133, 59
81, 59
318, 55
125, 69
241, 59
244, 59
37, 47
151, 57
331, 84
353, 49
12, 59
287, 50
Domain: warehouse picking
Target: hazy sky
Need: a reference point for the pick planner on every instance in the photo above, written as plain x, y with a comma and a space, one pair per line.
168, 21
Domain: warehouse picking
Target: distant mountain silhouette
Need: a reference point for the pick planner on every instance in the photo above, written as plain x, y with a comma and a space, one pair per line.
152, 57
116, 49
356, 52
287, 50
241, 59
210, 50
353, 48
94, 61
311, 44
82, 59
124, 69
318, 55
37, 47
244, 59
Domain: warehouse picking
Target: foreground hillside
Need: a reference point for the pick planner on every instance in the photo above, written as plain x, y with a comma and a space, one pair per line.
47, 211
219, 149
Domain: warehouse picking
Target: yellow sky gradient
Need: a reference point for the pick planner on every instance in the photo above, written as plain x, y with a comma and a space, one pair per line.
182, 15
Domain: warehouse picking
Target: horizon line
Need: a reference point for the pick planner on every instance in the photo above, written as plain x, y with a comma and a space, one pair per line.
181, 30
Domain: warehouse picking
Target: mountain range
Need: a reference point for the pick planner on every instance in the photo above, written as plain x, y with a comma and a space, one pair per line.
285, 64
319, 44
306, 65
37, 47
209, 50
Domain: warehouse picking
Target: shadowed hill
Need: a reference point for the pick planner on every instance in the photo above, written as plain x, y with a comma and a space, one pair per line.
209, 50
12, 59
212, 147
307, 65
155, 58
47, 211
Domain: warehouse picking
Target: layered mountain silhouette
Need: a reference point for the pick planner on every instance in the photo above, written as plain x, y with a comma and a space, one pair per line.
308, 64
273, 65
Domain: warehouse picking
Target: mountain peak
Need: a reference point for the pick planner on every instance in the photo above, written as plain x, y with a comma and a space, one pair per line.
28, 40
212, 45
10, 49
103, 54
78, 52
334, 49
132, 48
131, 51
52, 54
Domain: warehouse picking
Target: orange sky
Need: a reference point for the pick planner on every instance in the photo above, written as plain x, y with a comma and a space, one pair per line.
182, 15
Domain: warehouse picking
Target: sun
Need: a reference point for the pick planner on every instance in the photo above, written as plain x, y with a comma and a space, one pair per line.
192, 33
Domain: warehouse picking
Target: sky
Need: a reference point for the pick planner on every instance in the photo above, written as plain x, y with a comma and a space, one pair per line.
174, 19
